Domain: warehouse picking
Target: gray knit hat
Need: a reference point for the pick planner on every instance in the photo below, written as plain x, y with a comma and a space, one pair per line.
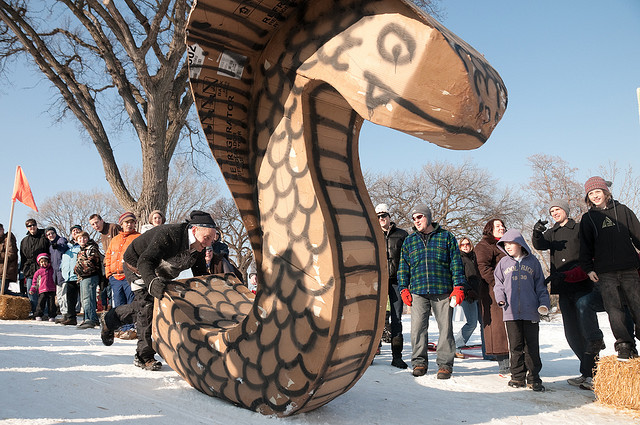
560, 203
422, 209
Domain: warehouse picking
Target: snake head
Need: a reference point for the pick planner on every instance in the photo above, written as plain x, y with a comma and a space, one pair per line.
406, 71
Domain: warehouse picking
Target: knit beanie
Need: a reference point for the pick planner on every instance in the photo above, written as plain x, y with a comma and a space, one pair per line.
50, 228
560, 203
201, 219
41, 256
75, 226
595, 182
422, 209
126, 216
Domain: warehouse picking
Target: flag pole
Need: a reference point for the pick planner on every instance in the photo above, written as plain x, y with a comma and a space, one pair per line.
6, 248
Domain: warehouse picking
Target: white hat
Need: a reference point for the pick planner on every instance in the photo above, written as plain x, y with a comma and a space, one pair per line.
382, 209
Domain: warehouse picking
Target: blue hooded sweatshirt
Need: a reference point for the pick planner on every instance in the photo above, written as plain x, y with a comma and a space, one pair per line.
520, 284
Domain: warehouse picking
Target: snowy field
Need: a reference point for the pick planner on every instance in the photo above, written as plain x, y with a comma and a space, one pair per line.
53, 374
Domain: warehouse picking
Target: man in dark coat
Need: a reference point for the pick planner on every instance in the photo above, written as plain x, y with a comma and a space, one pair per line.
151, 262
394, 237
32, 245
574, 288
57, 247
11, 273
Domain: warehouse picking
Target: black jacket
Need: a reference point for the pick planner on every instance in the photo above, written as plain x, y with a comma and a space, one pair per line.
563, 242
471, 272
607, 239
30, 247
163, 251
394, 239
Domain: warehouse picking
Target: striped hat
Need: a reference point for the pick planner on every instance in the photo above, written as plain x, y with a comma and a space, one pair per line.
126, 216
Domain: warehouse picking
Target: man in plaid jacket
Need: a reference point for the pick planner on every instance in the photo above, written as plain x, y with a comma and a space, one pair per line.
430, 278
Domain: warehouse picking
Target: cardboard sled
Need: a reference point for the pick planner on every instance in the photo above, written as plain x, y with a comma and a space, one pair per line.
282, 89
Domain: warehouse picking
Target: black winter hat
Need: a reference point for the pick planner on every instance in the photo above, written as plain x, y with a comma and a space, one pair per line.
201, 219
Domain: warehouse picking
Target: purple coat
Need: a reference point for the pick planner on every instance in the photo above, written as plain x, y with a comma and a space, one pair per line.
56, 248
520, 284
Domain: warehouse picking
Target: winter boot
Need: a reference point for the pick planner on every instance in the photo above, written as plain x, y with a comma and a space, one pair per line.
386, 332
626, 351
396, 350
106, 334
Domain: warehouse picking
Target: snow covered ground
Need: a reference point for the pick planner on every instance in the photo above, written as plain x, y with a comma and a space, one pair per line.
52, 374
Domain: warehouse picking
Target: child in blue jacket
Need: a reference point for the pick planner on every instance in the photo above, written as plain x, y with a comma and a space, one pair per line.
521, 292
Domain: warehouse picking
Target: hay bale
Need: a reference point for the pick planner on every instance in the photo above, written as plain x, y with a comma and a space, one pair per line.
617, 383
14, 308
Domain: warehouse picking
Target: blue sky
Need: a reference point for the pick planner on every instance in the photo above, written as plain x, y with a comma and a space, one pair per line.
571, 69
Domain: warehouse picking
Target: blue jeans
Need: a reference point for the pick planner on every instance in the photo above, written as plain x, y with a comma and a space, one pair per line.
581, 328
121, 290
470, 310
33, 298
421, 307
88, 295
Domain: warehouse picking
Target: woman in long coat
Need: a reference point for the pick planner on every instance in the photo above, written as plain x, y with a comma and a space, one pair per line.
488, 255
12, 258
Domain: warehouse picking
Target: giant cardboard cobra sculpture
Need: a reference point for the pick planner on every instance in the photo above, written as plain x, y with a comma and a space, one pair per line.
282, 88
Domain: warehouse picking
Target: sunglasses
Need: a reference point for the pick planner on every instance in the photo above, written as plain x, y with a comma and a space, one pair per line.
383, 216
465, 244
31, 225
418, 217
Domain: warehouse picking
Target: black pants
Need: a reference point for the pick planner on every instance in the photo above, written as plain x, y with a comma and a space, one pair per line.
72, 297
396, 305
620, 289
46, 299
139, 311
524, 349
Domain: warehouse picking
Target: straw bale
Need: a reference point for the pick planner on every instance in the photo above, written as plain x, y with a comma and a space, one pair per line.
14, 308
617, 383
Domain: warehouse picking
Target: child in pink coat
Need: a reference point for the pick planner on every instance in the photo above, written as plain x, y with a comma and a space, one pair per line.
44, 284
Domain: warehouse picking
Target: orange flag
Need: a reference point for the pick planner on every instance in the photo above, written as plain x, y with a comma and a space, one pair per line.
22, 191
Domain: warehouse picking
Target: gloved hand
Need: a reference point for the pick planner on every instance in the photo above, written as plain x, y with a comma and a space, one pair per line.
472, 296
157, 287
576, 274
540, 226
458, 293
406, 296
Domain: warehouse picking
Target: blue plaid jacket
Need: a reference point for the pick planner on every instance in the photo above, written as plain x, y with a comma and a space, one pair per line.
430, 264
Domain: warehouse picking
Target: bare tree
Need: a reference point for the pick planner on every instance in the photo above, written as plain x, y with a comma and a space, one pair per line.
234, 234
112, 61
462, 197
188, 190
626, 184
553, 178
64, 209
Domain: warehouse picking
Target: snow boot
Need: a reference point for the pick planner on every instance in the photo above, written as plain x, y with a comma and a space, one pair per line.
396, 351
106, 334
151, 364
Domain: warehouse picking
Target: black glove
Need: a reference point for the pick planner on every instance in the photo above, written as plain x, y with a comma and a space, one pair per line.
471, 295
157, 287
540, 226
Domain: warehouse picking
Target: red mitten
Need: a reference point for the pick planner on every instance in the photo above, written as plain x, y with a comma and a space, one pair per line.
457, 292
574, 275
406, 296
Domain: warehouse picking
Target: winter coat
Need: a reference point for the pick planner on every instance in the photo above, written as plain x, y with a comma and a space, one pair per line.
495, 335
563, 242
163, 252
519, 284
430, 264
113, 255
471, 272
68, 264
12, 258
608, 237
43, 280
109, 231
57, 248
394, 238
30, 247
89, 261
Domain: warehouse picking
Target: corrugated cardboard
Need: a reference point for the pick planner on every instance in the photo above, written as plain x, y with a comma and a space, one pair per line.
282, 89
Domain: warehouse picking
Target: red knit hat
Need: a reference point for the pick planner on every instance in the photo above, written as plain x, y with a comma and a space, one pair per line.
41, 256
126, 216
595, 182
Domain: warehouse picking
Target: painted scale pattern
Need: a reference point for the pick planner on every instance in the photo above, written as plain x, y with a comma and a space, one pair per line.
282, 89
